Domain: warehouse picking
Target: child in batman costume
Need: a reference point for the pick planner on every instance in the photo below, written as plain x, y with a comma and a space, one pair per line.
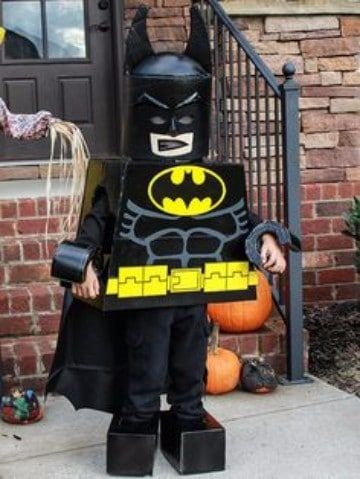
117, 345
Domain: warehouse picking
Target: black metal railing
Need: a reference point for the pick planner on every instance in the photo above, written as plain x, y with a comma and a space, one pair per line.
255, 122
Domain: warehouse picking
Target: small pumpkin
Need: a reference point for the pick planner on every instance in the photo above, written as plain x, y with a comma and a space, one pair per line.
258, 376
241, 316
223, 366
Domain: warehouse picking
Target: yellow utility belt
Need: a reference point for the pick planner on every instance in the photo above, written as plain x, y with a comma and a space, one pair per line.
142, 281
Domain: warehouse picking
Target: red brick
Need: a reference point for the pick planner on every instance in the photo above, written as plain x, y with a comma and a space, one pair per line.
19, 301
26, 358
4, 303
312, 192
348, 291
334, 242
7, 359
7, 228
168, 33
323, 176
32, 251
45, 346
308, 243
8, 209
346, 190
344, 258
248, 344
12, 252
41, 297
319, 121
53, 225
176, 3
15, 325
29, 272
58, 297
307, 210
330, 91
27, 207
347, 156
31, 227
338, 225
47, 360
349, 138
49, 323
229, 341
315, 226
318, 293
328, 47
137, 3
309, 277
328, 191
269, 343
338, 275
350, 26
320, 158
332, 208
48, 248
42, 206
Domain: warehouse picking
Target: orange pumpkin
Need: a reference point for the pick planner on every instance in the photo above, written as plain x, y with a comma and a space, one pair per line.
223, 367
240, 316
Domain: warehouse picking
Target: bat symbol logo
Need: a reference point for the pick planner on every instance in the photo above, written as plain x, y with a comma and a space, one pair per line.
186, 190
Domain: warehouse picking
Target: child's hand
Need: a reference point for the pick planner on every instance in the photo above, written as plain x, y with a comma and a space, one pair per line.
272, 258
90, 288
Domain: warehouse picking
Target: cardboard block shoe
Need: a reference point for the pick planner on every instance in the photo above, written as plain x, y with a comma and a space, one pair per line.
192, 446
131, 446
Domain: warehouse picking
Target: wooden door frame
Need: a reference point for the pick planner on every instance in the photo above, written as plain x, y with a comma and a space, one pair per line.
117, 29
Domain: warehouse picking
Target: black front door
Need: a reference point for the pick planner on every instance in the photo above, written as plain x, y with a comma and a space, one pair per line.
58, 56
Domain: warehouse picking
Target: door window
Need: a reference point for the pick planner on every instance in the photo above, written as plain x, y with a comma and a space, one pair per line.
44, 29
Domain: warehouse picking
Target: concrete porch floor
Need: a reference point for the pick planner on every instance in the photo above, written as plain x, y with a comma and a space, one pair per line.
306, 431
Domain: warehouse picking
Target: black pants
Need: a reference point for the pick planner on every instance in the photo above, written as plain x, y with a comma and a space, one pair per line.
162, 342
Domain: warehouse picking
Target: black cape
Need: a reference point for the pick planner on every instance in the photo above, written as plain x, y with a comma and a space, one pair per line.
90, 363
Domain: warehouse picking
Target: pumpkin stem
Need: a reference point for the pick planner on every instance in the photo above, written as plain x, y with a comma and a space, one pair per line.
214, 339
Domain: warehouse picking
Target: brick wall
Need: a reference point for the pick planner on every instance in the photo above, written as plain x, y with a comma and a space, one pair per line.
325, 50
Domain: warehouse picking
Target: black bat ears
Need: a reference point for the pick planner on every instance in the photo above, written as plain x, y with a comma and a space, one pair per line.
198, 46
138, 45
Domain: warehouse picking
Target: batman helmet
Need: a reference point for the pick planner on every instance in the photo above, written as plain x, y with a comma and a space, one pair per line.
168, 95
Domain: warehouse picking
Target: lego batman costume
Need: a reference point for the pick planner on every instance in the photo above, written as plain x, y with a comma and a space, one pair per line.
172, 232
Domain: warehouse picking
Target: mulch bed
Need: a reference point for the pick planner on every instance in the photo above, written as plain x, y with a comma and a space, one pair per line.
334, 354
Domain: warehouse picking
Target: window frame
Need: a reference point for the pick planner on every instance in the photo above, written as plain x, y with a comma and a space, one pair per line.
46, 60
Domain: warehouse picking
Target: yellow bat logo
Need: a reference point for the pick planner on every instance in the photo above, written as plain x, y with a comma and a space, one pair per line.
2, 35
186, 190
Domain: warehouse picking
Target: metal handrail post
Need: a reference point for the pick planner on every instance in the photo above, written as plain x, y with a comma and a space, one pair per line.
292, 203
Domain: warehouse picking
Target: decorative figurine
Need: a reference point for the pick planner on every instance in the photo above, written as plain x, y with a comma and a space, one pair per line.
162, 233
21, 407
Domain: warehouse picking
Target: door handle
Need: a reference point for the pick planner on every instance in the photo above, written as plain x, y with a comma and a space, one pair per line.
101, 27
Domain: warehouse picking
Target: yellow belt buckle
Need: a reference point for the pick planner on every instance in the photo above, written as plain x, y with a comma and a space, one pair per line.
185, 280
155, 280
